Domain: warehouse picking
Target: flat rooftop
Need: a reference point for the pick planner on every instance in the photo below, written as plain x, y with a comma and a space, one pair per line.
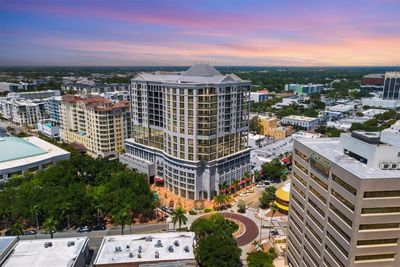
23, 151
33, 253
300, 118
125, 249
330, 149
5, 244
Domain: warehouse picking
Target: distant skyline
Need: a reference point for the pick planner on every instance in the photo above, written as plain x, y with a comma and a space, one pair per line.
164, 33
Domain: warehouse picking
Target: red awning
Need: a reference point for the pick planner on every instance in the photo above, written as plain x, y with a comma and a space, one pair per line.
242, 181
158, 179
286, 160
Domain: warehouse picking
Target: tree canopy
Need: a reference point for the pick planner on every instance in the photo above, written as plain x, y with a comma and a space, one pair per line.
75, 190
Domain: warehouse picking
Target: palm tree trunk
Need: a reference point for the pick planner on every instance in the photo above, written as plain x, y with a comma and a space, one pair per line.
122, 229
51, 233
68, 222
37, 221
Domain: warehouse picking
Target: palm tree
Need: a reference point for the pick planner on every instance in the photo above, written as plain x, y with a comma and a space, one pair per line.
36, 210
122, 218
50, 225
236, 185
219, 200
178, 216
65, 209
274, 209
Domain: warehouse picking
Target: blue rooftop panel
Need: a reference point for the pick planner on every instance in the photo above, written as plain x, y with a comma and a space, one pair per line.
12, 148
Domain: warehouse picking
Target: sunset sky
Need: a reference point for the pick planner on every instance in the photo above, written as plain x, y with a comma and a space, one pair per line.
245, 32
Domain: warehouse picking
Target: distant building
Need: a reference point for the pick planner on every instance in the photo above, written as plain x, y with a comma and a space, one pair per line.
372, 112
53, 105
256, 140
60, 252
373, 79
13, 87
49, 127
344, 201
165, 249
342, 108
304, 89
303, 122
391, 88
81, 88
35, 94
259, 96
22, 111
27, 154
97, 123
272, 129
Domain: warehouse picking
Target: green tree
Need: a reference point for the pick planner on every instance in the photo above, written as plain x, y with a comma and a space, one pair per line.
122, 218
259, 259
178, 216
256, 126
50, 225
267, 196
273, 170
17, 229
216, 251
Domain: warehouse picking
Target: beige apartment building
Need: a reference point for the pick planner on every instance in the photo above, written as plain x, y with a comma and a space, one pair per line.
99, 124
345, 201
271, 128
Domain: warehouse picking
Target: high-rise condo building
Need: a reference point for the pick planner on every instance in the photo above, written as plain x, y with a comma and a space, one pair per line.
99, 124
391, 87
345, 201
190, 129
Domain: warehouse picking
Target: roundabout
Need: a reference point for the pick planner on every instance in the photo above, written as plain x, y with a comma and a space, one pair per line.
248, 230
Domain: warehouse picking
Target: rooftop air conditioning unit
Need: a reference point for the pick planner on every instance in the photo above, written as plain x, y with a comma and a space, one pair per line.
157, 255
70, 243
186, 249
48, 244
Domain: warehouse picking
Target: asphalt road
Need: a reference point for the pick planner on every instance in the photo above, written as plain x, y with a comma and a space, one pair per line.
251, 232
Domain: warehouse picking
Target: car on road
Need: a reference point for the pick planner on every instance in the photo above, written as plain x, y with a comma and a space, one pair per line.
83, 229
30, 232
99, 227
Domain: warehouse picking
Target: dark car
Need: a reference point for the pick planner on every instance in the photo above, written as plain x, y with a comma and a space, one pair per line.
83, 229
99, 228
30, 232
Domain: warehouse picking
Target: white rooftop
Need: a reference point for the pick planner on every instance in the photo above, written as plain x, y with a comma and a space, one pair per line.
33, 253
125, 249
197, 74
331, 149
300, 118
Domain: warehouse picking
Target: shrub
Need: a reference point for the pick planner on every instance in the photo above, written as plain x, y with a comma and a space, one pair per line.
192, 212
207, 210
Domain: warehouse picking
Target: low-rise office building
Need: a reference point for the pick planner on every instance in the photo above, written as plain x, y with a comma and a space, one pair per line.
259, 96
303, 122
304, 89
13, 87
27, 154
165, 249
57, 252
82, 88
272, 129
345, 201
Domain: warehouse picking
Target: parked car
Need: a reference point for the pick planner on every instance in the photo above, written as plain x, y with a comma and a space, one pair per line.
83, 229
99, 227
30, 232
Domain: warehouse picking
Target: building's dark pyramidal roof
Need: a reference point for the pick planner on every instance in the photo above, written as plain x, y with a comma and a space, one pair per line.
201, 70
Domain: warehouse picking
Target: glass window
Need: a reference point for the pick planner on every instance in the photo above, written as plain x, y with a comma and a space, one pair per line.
343, 184
381, 194
343, 200
379, 226
340, 215
380, 210
340, 230
377, 242
375, 257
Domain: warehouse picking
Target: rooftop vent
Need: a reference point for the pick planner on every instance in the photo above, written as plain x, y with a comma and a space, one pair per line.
48, 244
157, 255
170, 249
139, 256
117, 249
70, 243
159, 244
176, 243
148, 239
127, 246
130, 255
140, 249
186, 249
